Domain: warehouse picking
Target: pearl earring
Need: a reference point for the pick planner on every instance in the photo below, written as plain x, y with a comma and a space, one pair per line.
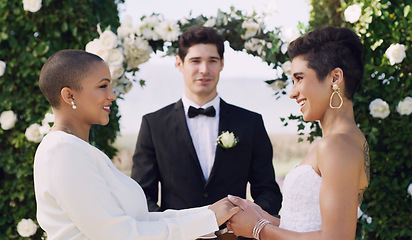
73, 105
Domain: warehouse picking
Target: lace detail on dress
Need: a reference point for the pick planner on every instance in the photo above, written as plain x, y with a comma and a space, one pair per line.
300, 207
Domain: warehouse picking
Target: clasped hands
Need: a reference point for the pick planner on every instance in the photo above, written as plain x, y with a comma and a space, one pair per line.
240, 215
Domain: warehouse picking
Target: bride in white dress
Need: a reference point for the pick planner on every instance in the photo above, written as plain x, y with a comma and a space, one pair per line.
322, 193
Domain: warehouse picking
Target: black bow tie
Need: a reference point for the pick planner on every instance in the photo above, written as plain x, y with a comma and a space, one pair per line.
193, 112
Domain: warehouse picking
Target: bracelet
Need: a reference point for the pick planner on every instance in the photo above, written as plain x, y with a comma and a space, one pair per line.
259, 226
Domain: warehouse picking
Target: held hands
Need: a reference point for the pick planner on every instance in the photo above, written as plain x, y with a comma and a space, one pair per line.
242, 223
224, 210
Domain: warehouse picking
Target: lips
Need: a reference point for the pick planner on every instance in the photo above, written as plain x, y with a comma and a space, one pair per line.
107, 108
301, 102
204, 79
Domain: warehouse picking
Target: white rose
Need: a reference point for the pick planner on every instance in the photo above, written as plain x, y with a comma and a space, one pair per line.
168, 30
396, 53
379, 108
252, 28
289, 35
2, 68
116, 71
125, 30
147, 28
405, 106
227, 140
127, 21
33, 133
211, 22
96, 47
284, 48
136, 51
353, 13
8, 119
115, 57
108, 39
45, 126
31, 5
278, 85
287, 67
410, 189
26, 227
48, 118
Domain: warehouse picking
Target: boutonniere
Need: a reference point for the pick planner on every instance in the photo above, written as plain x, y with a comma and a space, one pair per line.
227, 140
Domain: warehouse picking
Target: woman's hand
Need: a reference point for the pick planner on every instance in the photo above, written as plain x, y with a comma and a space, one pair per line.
224, 210
242, 224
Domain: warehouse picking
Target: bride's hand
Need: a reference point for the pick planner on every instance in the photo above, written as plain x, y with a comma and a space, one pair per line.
224, 210
242, 224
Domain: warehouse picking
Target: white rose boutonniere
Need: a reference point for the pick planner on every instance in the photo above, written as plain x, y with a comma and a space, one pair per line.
26, 227
227, 140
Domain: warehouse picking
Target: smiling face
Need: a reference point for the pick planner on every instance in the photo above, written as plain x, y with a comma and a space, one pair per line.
310, 93
94, 99
201, 69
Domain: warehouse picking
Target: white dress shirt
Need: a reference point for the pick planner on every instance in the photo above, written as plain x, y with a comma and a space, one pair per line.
80, 194
204, 132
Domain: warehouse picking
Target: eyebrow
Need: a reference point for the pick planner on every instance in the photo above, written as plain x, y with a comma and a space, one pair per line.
212, 57
104, 79
296, 74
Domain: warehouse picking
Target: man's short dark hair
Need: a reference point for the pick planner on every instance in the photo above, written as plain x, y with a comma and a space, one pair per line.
199, 35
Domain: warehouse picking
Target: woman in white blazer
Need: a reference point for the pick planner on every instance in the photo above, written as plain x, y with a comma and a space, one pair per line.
80, 194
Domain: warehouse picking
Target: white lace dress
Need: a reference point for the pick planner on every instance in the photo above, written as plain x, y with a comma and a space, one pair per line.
300, 207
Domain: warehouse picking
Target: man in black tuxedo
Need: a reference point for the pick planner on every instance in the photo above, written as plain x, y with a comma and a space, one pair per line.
177, 148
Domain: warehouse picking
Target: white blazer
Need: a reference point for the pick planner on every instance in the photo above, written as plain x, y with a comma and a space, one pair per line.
80, 194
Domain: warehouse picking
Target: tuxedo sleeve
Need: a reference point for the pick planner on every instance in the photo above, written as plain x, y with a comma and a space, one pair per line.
145, 169
264, 189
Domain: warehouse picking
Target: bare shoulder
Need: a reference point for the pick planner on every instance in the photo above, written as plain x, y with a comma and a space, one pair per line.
341, 152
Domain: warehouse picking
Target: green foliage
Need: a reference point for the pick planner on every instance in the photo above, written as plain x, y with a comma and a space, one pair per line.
325, 12
382, 23
26, 40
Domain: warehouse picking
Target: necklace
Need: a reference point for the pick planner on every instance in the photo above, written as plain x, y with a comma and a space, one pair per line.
65, 128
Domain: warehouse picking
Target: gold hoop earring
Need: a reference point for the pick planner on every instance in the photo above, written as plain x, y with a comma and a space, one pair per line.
73, 105
336, 90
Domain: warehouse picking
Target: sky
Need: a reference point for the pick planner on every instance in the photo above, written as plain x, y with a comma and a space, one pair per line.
242, 79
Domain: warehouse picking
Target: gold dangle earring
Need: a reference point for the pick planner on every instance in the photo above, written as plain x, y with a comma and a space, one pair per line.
73, 105
336, 90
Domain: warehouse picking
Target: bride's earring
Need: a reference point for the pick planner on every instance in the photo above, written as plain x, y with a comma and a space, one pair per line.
73, 105
336, 90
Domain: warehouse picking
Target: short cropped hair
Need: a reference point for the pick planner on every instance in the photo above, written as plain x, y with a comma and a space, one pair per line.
199, 35
327, 48
65, 68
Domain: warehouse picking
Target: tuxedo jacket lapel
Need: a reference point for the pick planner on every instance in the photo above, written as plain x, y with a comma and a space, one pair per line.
183, 131
224, 118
